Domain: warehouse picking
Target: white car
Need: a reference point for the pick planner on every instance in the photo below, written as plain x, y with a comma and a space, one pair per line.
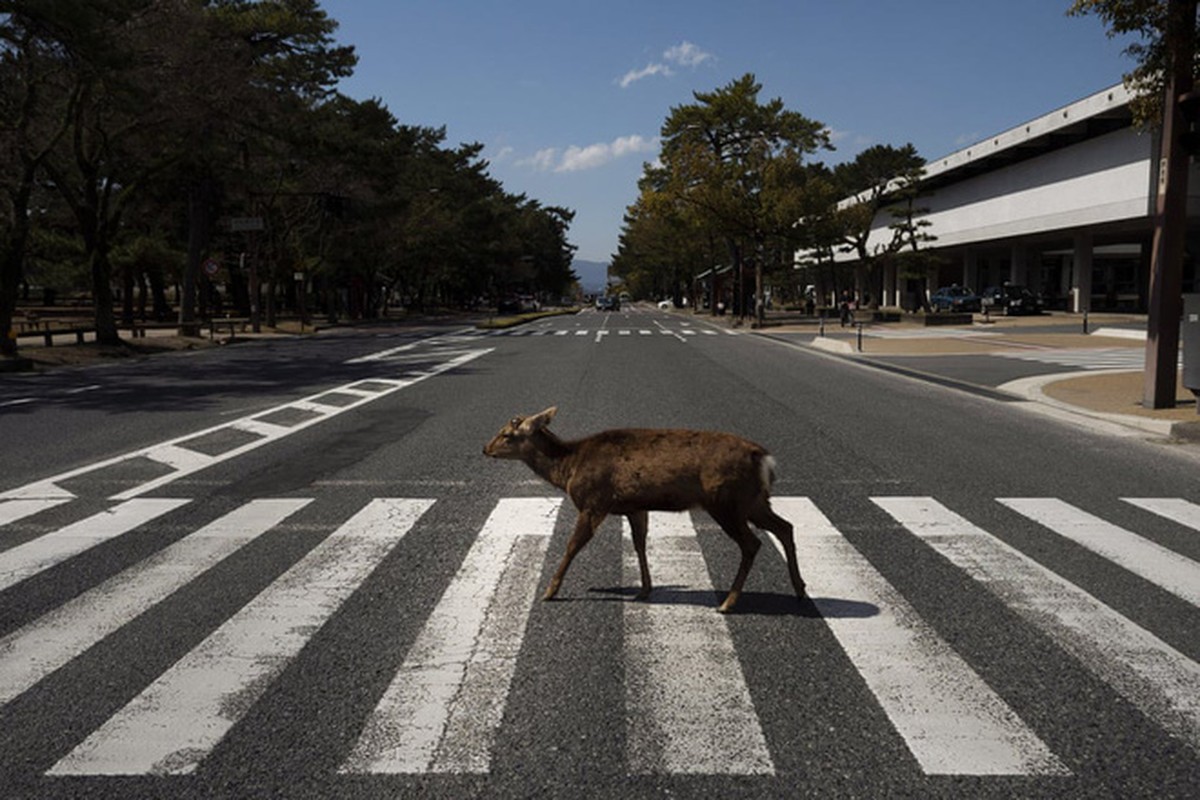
665, 305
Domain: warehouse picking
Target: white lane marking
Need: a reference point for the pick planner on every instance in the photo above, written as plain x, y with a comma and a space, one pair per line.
175, 722
689, 708
13, 510
1148, 672
601, 333
442, 710
46, 644
20, 401
185, 462
1175, 509
36, 555
950, 719
454, 337
1177, 574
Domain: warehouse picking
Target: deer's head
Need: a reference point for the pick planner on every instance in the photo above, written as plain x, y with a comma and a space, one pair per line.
513, 439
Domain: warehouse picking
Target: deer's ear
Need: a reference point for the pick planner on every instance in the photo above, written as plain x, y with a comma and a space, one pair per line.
539, 420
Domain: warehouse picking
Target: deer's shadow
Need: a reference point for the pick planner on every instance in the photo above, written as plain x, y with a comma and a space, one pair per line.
763, 603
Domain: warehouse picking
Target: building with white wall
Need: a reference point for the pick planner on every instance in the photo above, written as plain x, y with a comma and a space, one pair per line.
1062, 204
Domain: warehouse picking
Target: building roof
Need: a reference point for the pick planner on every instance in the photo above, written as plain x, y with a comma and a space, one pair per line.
1098, 114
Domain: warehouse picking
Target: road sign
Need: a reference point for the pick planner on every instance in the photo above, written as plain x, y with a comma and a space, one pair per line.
211, 267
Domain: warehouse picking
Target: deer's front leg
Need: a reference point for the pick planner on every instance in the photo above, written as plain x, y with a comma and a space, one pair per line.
585, 528
639, 524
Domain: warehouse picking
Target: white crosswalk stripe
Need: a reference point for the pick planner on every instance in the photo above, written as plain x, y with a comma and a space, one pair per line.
1087, 358
39, 648
695, 715
26, 560
1152, 675
598, 335
441, 712
969, 731
172, 726
689, 708
1155, 563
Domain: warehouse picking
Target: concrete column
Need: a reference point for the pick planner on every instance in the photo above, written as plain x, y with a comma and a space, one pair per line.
1018, 269
971, 271
891, 295
1082, 278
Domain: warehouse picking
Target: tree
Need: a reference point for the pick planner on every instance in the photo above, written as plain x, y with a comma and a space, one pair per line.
873, 179
738, 164
1166, 71
33, 46
1147, 21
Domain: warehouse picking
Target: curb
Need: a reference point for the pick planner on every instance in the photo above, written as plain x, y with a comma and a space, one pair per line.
1031, 389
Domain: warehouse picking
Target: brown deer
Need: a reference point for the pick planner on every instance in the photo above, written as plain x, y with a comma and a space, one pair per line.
633, 471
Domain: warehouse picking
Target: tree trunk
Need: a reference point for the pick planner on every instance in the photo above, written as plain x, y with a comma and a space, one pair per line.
106, 321
12, 257
198, 202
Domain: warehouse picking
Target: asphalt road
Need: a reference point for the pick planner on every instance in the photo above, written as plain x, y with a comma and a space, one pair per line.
285, 569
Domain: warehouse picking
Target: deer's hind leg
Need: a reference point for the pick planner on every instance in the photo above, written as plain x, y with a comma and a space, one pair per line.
585, 528
737, 529
639, 525
764, 517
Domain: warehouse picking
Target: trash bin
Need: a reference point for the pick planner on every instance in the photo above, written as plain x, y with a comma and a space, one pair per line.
1190, 339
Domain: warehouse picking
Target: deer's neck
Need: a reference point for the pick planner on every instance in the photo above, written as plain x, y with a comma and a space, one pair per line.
551, 458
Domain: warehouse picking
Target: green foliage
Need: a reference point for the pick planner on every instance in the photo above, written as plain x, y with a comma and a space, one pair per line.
1146, 21
154, 121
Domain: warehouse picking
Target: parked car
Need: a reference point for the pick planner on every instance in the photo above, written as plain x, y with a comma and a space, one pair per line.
608, 303
955, 298
509, 304
1012, 299
665, 305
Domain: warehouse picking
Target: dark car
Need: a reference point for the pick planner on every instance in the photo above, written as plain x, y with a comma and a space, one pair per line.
1012, 298
955, 298
608, 303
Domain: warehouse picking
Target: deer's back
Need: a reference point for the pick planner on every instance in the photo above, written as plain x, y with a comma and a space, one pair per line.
632, 469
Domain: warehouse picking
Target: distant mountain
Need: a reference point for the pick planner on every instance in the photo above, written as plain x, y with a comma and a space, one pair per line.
593, 275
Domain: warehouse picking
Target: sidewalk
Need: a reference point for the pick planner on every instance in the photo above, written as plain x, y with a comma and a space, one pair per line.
1106, 395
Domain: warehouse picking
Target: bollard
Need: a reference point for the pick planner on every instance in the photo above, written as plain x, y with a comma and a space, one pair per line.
821, 327
1085, 322
860, 337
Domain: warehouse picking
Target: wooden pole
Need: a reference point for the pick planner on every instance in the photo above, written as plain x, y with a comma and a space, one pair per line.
1170, 219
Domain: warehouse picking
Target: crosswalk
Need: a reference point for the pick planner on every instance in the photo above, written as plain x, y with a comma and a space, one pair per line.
1091, 358
690, 706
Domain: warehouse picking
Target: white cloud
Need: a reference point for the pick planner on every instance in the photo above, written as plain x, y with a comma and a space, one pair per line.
578, 159
684, 54
636, 75
541, 161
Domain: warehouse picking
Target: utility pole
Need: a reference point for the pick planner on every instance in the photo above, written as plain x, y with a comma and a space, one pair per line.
1170, 215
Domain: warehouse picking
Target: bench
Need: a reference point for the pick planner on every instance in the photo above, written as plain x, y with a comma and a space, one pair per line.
49, 333
231, 323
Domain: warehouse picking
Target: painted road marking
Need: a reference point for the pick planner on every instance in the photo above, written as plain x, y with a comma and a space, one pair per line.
183, 461
442, 710
1177, 574
13, 510
46, 644
1149, 673
1173, 508
967, 730
176, 721
36, 555
690, 708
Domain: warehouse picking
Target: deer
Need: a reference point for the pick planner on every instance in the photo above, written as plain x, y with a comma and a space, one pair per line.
632, 471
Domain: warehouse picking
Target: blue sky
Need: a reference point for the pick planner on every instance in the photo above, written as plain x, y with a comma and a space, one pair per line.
569, 97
